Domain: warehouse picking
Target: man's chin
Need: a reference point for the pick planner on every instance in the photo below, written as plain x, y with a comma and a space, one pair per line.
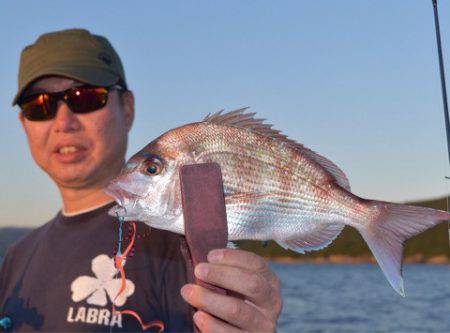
78, 179
75, 184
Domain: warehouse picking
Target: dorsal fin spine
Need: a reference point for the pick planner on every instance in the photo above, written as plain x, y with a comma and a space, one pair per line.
238, 118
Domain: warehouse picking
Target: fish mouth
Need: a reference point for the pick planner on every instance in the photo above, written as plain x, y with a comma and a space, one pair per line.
126, 201
122, 197
121, 212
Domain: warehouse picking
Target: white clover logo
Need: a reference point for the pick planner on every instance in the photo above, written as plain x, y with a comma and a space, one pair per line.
96, 288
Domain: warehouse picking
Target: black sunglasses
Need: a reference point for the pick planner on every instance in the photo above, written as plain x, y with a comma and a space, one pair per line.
83, 99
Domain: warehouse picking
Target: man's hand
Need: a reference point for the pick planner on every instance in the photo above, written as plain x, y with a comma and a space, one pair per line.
245, 273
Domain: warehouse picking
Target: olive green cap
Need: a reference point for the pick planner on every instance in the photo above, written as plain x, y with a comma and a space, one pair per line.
73, 53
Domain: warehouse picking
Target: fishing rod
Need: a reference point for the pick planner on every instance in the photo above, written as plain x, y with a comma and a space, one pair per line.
443, 88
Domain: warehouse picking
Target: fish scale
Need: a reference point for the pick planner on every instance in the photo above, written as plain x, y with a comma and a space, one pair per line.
275, 188
245, 141
261, 182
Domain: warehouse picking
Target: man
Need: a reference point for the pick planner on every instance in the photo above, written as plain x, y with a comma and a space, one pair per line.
76, 111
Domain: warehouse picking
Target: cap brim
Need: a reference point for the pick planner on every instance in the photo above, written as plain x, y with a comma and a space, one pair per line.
92, 76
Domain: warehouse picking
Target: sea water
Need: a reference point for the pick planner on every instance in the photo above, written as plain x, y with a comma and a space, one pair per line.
358, 298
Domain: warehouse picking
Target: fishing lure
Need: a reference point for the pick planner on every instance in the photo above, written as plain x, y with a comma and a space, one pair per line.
119, 260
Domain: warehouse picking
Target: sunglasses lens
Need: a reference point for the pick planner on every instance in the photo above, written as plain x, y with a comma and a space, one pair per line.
82, 99
86, 99
38, 107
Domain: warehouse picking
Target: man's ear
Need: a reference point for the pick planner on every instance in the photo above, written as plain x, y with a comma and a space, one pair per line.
128, 103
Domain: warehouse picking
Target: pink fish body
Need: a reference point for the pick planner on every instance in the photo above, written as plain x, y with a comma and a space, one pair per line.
275, 189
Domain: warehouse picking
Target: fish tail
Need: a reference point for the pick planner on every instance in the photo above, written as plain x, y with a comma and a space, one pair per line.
390, 225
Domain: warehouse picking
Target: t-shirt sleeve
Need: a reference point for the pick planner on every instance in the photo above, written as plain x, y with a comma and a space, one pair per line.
4, 269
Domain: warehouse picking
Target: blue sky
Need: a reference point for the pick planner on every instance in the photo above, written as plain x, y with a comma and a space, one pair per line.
356, 81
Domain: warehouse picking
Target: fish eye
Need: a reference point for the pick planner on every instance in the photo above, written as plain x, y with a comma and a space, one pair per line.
153, 167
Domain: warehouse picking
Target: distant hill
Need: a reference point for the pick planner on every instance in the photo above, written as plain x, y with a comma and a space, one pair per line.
348, 247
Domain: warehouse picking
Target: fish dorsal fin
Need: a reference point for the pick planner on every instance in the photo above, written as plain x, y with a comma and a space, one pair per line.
238, 118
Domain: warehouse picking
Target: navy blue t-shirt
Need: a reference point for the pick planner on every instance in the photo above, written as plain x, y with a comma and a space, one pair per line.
61, 277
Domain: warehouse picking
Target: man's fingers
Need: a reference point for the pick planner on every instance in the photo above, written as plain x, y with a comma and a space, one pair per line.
232, 310
238, 258
244, 273
253, 285
209, 324
243, 259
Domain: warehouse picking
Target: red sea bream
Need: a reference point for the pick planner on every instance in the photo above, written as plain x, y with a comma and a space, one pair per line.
275, 189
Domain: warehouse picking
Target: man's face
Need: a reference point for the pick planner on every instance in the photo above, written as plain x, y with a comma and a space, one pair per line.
80, 150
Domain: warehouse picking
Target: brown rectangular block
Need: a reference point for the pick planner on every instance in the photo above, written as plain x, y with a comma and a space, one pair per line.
204, 212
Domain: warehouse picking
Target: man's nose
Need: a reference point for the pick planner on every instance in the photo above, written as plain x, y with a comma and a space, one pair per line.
66, 120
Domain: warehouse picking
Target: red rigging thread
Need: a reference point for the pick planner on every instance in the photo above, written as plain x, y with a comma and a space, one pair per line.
119, 260
144, 235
